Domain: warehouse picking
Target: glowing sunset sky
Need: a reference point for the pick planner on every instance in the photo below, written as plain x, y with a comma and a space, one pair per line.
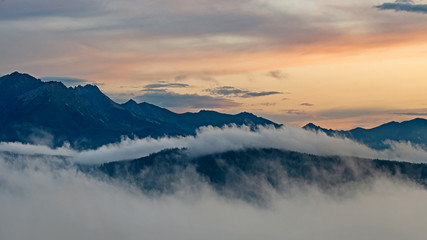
339, 64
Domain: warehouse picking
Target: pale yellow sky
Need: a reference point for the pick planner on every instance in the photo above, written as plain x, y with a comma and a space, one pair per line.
364, 89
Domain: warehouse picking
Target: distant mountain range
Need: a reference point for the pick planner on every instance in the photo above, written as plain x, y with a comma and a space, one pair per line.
32, 111
414, 131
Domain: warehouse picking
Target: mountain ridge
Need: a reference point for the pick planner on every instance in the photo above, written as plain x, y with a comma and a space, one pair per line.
414, 131
86, 118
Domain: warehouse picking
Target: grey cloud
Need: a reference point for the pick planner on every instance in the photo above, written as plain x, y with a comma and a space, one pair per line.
227, 91
307, 104
175, 100
406, 6
166, 85
235, 92
260, 94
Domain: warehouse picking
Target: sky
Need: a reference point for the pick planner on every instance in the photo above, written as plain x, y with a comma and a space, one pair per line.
338, 64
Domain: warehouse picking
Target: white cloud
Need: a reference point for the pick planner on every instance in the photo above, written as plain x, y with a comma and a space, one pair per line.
28, 149
215, 140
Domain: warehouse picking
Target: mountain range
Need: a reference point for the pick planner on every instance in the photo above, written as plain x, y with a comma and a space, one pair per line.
33, 111
49, 113
414, 131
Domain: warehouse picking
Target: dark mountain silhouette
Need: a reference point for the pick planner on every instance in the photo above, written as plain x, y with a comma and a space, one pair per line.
250, 174
33, 111
414, 131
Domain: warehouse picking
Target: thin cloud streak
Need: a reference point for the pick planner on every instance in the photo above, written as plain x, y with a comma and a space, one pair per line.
166, 85
236, 92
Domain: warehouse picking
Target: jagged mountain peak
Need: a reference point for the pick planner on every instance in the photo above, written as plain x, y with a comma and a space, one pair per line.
88, 88
130, 102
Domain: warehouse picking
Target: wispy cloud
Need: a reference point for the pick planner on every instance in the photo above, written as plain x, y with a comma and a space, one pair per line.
267, 104
411, 113
166, 85
260, 94
227, 91
236, 92
195, 101
307, 104
297, 112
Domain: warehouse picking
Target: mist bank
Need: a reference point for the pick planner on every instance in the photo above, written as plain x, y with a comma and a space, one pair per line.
44, 199
209, 140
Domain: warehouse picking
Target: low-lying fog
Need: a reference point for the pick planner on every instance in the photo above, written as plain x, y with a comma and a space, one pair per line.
41, 197
41, 201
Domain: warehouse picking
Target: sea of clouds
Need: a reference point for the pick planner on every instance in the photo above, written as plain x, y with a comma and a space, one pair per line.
39, 200
44, 197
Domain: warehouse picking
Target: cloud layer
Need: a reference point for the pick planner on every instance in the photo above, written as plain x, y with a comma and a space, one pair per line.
216, 140
39, 201
44, 197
